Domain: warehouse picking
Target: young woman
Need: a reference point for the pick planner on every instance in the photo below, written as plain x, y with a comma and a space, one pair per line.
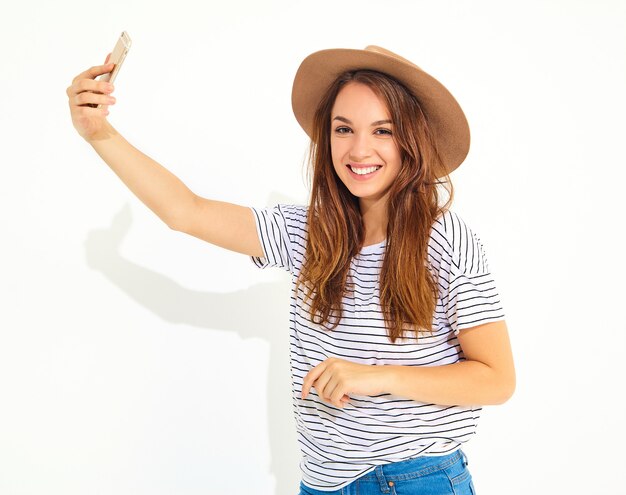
397, 333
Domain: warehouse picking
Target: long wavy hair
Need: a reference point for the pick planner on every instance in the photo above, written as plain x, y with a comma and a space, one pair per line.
408, 291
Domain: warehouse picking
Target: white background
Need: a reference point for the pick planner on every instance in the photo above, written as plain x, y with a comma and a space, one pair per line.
136, 360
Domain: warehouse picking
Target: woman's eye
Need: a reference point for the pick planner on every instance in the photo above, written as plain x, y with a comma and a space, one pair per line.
342, 130
383, 132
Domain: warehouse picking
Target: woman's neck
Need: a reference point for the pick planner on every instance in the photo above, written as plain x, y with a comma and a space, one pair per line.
374, 214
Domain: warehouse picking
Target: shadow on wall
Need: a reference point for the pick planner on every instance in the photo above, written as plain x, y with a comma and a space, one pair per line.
266, 307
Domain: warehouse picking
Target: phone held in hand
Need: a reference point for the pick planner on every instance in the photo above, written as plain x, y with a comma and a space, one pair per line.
117, 57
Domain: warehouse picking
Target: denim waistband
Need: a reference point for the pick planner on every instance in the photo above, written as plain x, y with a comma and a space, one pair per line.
412, 468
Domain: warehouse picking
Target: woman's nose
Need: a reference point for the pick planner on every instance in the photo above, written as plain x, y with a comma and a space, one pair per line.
361, 148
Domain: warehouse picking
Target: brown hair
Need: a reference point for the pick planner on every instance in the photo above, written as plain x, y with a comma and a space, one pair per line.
408, 292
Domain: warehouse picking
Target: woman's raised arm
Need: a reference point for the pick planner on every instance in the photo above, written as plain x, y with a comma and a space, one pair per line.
223, 224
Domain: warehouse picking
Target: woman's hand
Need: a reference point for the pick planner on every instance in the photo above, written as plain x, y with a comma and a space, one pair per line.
84, 95
334, 379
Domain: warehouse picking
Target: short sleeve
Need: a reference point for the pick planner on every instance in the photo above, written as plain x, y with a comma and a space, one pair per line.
471, 297
281, 231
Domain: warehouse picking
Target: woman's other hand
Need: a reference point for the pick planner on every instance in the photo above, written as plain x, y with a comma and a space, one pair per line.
335, 379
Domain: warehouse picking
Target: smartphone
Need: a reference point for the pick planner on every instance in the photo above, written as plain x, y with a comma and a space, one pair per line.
118, 55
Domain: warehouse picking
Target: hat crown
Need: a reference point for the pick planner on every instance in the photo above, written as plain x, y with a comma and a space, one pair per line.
383, 51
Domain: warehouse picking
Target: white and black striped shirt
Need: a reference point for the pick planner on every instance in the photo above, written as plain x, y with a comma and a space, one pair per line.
340, 445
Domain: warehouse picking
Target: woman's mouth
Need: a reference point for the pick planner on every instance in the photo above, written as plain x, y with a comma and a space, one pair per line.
363, 170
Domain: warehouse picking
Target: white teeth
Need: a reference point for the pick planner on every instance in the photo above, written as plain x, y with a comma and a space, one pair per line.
364, 171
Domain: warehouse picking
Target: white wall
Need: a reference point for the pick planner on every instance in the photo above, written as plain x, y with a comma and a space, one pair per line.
134, 360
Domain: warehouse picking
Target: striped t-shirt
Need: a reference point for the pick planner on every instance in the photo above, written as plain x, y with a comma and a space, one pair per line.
340, 445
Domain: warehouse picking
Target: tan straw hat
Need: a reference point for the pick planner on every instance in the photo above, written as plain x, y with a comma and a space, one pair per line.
447, 121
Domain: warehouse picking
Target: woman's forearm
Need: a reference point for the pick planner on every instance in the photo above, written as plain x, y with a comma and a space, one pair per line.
159, 189
464, 383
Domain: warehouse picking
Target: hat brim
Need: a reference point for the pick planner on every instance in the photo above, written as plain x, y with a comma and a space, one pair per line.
443, 113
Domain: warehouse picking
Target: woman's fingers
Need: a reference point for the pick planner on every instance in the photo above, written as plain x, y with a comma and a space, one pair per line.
326, 385
89, 92
93, 72
311, 377
90, 98
84, 85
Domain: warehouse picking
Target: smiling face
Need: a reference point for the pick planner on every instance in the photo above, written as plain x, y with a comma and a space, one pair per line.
364, 153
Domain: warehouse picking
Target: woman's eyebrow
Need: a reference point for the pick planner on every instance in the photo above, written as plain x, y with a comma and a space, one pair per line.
377, 122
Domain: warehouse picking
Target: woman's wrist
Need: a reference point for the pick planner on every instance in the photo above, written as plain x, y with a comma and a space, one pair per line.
107, 132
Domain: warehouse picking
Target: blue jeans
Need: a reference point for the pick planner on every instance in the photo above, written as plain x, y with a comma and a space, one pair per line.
436, 475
